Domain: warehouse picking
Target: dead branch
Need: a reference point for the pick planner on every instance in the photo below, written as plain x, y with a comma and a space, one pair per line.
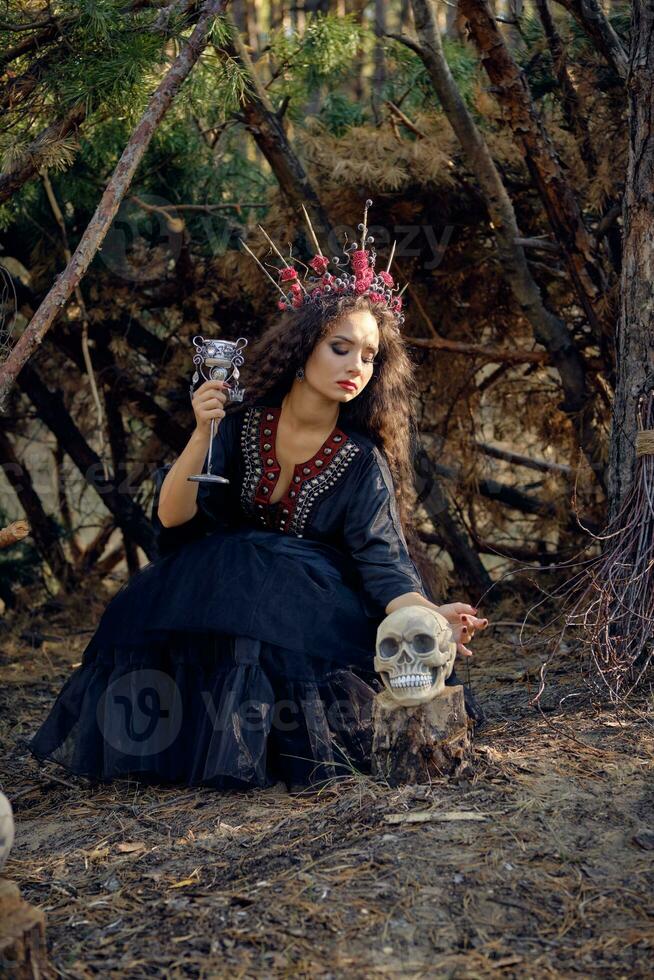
542, 465
479, 350
589, 14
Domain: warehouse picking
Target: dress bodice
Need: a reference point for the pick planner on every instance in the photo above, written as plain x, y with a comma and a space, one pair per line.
309, 482
342, 497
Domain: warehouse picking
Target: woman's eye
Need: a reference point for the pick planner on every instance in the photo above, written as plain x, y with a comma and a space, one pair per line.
370, 360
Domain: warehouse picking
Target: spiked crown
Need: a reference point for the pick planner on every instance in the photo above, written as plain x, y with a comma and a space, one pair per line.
362, 280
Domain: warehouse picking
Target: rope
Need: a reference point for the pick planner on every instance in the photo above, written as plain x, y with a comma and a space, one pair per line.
645, 442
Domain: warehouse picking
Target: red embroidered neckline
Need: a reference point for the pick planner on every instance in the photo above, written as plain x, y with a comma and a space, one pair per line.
302, 472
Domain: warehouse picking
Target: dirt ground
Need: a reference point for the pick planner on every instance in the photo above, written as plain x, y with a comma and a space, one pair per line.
536, 862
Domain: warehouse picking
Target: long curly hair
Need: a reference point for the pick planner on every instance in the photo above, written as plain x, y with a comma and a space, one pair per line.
385, 410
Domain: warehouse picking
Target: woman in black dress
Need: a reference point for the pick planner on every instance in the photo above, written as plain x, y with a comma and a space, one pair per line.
244, 654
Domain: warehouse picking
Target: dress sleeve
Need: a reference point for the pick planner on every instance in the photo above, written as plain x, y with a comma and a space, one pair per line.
212, 499
375, 539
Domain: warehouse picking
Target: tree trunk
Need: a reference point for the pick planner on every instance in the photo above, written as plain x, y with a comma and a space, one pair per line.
548, 329
121, 178
52, 411
42, 527
22, 936
512, 93
271, 138
416, 745
590, 16
379, 76
635, 334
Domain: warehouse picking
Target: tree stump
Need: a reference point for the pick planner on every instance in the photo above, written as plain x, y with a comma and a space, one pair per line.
416, 745
22, 936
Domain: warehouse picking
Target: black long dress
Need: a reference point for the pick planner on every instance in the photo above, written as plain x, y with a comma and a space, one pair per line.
244, 654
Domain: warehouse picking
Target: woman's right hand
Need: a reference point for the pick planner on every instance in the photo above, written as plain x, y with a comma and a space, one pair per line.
208, 403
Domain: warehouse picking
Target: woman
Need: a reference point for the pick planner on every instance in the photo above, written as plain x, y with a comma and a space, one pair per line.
243, 655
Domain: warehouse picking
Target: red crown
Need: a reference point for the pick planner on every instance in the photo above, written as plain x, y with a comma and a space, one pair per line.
363, 280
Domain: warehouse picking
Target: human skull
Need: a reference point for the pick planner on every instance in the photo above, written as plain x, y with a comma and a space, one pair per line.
415, 654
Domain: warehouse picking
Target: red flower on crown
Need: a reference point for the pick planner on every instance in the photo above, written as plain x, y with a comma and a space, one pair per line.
287, 274
319, 264
360, 262
386, 278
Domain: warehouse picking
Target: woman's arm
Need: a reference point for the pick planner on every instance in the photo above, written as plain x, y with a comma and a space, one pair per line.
178, 497
408, 599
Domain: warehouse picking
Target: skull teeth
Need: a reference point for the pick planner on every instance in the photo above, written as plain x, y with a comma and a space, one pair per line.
411, 680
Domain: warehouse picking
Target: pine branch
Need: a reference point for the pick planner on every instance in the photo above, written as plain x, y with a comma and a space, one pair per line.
114, 193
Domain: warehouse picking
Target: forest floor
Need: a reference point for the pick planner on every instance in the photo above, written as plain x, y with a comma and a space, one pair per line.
535, 862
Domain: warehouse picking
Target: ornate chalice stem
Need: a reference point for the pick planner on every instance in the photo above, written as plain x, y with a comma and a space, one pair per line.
217, 360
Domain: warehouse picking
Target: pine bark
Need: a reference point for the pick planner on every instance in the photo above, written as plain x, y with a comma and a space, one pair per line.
416, 745
23, 953
635, 333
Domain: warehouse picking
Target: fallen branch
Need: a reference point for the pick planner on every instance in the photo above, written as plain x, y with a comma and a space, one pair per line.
480, 350
543, 465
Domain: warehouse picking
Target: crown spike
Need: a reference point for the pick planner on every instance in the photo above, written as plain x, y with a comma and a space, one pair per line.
280, 255
364, 232
275, 284
312, 233
388, 267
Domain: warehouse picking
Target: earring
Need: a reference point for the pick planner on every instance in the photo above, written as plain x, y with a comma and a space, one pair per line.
299, 374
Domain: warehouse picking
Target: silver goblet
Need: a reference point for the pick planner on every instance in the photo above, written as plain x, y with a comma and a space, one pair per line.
217, 360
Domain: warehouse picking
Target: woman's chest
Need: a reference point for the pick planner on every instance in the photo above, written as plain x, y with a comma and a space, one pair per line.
279, 492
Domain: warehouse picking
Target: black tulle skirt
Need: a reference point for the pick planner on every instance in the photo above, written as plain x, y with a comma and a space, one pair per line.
241, 659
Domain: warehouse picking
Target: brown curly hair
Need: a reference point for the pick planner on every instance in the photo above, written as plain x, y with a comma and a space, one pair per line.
385, 410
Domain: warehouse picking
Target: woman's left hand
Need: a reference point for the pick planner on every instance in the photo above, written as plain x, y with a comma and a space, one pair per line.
464, 621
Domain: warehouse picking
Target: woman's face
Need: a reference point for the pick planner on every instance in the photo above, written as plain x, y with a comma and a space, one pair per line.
345, 354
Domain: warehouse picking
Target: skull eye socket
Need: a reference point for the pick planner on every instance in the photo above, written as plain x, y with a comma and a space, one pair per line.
423, 643
388, 647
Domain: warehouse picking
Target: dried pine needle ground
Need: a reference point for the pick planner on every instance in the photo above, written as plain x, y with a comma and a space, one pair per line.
542, 869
